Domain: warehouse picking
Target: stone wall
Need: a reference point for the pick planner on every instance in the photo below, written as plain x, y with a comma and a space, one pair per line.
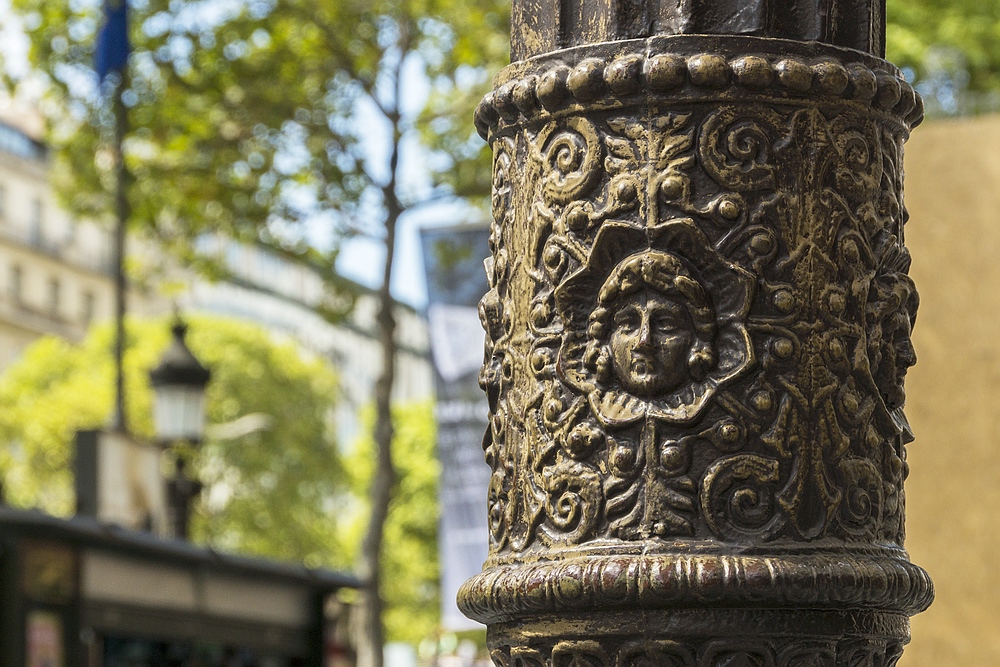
953, 393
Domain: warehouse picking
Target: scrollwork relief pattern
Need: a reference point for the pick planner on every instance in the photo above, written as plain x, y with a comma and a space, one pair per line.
718, 327
776, 652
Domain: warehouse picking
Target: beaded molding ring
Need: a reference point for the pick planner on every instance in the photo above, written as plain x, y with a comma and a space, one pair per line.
594, 80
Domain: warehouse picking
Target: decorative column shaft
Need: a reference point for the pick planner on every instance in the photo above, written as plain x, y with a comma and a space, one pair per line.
697, 332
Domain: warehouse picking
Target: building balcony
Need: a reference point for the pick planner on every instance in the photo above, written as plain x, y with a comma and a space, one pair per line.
33, 238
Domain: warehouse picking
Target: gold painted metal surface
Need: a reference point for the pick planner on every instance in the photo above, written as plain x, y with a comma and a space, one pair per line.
697, 333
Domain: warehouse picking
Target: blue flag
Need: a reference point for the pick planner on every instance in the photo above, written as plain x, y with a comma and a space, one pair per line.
112, 48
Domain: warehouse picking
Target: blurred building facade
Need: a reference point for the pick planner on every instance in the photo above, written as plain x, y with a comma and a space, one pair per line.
57, 276
285, 298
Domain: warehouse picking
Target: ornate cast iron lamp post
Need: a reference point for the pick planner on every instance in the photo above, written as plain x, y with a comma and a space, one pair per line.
179, 383
697, 334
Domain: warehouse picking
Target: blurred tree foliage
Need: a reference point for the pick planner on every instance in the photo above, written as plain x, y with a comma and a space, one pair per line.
275, 492
971, 27
252, 117
283, 492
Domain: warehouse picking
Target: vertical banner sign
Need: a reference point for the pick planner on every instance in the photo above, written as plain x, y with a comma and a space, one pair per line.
453, 262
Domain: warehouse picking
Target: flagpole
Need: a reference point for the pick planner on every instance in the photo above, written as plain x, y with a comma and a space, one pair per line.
121, 215
111, 52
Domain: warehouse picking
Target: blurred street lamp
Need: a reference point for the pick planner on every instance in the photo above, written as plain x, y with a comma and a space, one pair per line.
179, 416
179, 386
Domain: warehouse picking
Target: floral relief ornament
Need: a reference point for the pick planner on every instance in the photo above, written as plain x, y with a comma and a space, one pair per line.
654, 323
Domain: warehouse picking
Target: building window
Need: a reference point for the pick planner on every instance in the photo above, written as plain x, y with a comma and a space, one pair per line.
18, 143
55, 296
37, 212
70, 237
16, 284
88, 307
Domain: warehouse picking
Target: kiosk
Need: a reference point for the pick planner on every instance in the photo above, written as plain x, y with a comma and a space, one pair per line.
82, 593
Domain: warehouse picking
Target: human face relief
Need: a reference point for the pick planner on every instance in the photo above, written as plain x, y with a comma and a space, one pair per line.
897, 359
650, 341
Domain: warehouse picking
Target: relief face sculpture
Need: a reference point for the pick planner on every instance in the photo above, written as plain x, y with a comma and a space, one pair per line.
661, 324
652, 338
893, 313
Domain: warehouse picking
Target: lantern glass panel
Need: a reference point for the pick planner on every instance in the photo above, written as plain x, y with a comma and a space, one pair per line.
179, 413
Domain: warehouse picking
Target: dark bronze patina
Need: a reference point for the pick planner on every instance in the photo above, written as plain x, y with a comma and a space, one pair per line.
697, 332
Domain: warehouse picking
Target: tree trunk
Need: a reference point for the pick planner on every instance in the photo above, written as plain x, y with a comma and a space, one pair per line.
371, 634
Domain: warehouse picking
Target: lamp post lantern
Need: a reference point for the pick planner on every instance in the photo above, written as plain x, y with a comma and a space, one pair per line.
179, 386
179, 416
